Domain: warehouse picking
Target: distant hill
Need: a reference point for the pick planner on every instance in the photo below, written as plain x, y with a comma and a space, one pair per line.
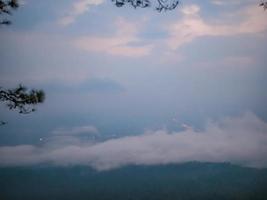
207, 181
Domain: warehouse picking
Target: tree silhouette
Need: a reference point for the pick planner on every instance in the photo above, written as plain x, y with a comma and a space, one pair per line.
6, 6
263, 4
21, 98
162, 4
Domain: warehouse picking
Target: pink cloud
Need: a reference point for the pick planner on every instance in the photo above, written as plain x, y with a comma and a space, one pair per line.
78, 8
119, 44
192, 25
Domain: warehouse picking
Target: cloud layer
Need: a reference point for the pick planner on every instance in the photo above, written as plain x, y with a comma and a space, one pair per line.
237, 140
124, 42
78, 8
76, 130
248, 20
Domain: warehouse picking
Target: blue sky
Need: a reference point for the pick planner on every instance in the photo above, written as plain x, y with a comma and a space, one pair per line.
123, 72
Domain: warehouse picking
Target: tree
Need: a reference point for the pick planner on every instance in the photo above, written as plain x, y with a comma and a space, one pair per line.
19, 98
263, 4
6, 6
162, 4
22, 99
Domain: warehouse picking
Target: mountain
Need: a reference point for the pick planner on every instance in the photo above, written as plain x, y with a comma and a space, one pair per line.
186, 181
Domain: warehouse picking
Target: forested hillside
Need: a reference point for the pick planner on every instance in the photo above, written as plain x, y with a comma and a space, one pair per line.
185, 182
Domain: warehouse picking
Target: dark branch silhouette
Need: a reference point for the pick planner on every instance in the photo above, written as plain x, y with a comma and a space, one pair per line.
167, 5
162, 4
2, 123
6, 6
263, 4
22, 99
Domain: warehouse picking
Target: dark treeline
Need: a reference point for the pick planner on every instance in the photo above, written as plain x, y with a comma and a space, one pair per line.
190, 181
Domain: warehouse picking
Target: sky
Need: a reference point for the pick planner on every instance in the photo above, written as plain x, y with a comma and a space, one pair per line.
134, 86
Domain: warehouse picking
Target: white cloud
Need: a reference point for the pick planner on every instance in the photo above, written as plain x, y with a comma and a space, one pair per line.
192, 25
119, 44
225, 2
190, 10
78, 8
232, 2
240, 140
79, 130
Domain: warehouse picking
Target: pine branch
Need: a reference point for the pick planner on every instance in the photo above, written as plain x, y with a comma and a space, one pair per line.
22, 99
